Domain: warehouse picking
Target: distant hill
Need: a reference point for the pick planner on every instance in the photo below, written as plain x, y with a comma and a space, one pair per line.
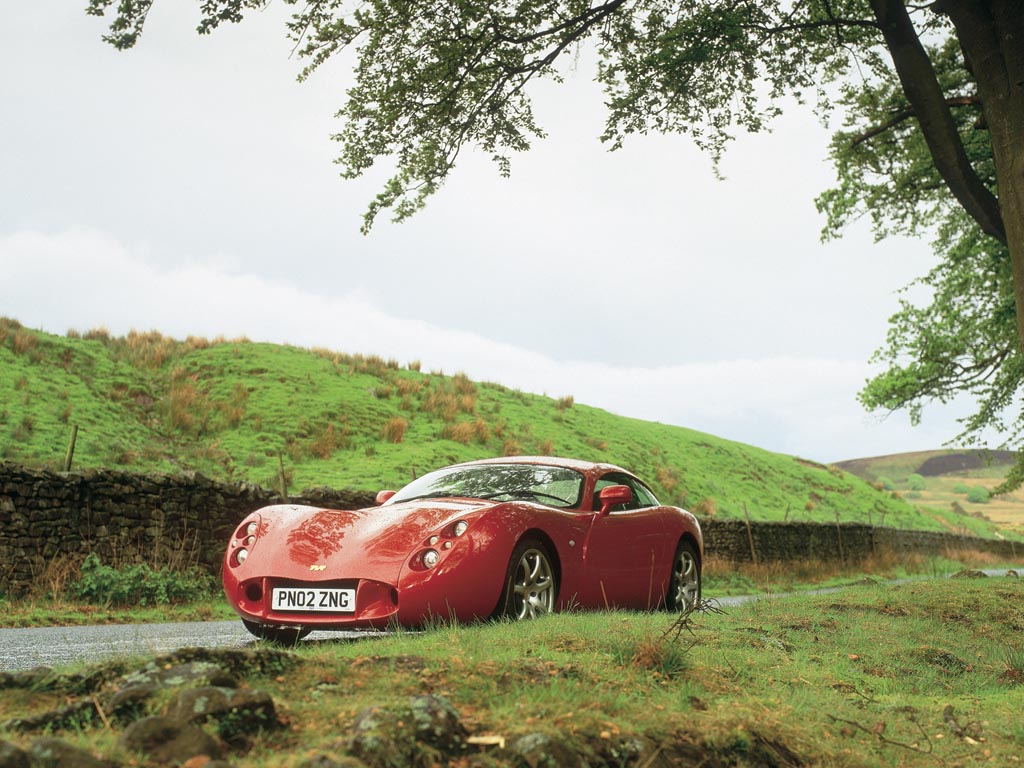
949, 482
929, 463
239, 410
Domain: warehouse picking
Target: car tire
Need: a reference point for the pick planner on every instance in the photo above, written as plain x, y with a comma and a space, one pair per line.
684, 583
277, 635
531, 582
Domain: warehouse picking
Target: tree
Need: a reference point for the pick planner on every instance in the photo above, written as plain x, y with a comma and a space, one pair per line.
964, 340
433, 78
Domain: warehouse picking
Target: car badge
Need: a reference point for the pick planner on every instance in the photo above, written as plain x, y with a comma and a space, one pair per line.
317, 567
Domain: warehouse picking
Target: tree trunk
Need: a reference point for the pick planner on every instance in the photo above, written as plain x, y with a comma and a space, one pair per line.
991, 35
921, 87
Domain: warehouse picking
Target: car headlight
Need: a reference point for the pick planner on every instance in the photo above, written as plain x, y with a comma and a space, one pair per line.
241, 555
430, 558
460, 527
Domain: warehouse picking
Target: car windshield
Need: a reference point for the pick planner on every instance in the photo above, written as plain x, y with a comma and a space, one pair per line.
541, 483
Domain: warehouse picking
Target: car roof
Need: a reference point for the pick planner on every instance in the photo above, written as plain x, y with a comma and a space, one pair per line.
557, 461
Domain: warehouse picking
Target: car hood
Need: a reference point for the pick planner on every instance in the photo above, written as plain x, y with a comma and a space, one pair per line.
365, 543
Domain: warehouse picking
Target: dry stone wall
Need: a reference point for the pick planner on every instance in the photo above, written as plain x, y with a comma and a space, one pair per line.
48, 516
733, 540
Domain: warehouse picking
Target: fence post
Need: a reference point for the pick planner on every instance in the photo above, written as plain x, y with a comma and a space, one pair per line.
750, 534
839, 538
71, 448
282, 483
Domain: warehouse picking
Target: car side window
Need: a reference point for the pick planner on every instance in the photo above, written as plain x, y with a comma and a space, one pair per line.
643, 496
614, 478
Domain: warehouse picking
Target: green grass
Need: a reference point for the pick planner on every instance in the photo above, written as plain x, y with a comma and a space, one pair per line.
229, 410
56, 599
921, 674
64, 613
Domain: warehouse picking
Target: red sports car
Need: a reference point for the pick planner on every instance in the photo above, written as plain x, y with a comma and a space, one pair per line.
515, 537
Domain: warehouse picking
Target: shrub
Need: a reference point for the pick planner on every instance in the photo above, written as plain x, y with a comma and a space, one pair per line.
886, 483
978, 494
916, 483
961, 488
137, 584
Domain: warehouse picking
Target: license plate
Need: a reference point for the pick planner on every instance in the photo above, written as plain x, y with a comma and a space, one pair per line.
327, 600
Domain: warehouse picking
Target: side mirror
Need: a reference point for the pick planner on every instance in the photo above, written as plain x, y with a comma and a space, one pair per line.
614, 495
383, 496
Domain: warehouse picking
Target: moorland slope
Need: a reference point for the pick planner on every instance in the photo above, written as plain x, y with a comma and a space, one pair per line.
238, 410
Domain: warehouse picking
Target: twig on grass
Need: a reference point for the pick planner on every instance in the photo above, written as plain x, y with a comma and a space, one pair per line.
878, 734
683, 620
102, 714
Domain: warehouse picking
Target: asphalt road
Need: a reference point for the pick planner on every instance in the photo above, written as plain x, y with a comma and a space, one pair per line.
55, 646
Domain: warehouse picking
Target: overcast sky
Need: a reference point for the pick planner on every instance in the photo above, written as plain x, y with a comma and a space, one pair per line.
187, 186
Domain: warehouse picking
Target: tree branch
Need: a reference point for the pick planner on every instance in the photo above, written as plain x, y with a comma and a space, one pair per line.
906, 114
940, 133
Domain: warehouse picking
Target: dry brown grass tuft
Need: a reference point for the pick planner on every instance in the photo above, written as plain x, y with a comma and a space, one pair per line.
463, 432
706, 507
189, 408
52, 581
667, 479
328, 441
512, 447
441, 403
234, 409
408, 387
150, 350
565, 403
463, 385
394, 430
24, 341
98, 334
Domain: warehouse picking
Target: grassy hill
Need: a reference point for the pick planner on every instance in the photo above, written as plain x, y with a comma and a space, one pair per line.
234, 409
